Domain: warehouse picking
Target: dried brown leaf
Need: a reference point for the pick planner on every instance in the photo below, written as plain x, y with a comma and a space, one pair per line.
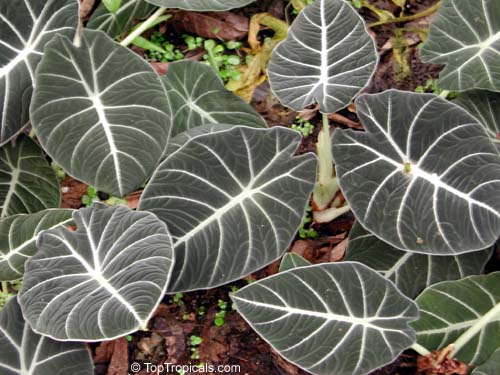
119, 359
86, 7
304, 248
72, 192
220, 25
104, 352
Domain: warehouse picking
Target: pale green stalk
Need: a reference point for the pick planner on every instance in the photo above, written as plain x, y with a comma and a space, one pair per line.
420, 349
444, 94
143, 27
330, 214
327, 185
474, 329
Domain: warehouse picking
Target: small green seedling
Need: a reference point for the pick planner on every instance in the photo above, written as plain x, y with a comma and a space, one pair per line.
177, 299
307, 232
358, 4
194, 342
159, 48
225, 65
91, 197
221, 315
193, 42
303, 126
431, 85
60, 174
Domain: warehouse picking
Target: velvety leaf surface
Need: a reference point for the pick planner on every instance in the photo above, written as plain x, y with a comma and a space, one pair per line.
411, 272
24, 352
485, 106
449, 308
423, 179
106, 122
201, 5
327, 57
490, 367
232, 200
18, 235
103, 280
199, 97
291, 261
115, 24
25, 27
465, 36
180, 139
27, 182
332, 318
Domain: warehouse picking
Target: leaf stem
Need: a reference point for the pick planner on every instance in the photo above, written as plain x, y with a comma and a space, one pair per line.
413, 17
465, 337
444, 94
325, 153
420, 349
143, 27
32, 133
330, 214
5, 287
211, 60
327, 185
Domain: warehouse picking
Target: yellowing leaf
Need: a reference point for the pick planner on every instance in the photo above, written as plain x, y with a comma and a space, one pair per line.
255, 72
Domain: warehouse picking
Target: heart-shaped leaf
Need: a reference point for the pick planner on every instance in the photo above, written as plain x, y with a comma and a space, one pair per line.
411, 272
464, 312
115, 24
18, 235
202, 5
330, 318
25, 27
104, 121
233, 200
103, 280
485, 106
466, 37
425, 179
27, 182
327, 57
199, 97
23, 352
291, 261
490, 367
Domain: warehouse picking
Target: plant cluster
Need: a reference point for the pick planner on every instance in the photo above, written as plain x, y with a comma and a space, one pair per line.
303, 126
225, 195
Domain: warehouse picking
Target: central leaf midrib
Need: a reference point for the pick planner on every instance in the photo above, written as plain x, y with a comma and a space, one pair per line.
433, 179
235, 201
329, 316
99, 278
94, 96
